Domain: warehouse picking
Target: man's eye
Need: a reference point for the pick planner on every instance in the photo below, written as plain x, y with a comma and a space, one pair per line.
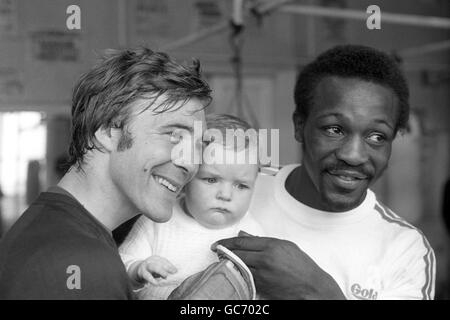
333, 131
175, 136
377, 138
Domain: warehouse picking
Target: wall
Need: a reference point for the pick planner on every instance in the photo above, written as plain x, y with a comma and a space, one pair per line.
272, 52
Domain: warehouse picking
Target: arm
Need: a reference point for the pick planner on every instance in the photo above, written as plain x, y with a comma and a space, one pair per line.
411, 269
282, 270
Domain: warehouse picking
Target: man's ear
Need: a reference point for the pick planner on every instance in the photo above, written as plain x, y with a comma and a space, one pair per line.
107, 138
299, 125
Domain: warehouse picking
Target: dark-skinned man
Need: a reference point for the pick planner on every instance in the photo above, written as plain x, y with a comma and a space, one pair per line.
328, 235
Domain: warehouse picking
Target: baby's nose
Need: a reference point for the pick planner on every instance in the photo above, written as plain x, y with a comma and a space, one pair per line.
224, 193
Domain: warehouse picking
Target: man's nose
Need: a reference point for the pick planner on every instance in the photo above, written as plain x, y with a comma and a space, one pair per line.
225, 192
353, 151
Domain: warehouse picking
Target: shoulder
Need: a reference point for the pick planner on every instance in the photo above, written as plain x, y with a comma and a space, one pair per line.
405, 237
53, 270
269, 171
400, 225
267, 176
409, 255
270, 176
53, 218
91, 254
265, 182
269, 186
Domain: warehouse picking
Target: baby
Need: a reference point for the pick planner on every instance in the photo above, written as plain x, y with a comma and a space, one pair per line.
159, 256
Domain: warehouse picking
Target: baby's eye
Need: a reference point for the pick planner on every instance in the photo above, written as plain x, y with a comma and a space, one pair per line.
210, 180
242, 186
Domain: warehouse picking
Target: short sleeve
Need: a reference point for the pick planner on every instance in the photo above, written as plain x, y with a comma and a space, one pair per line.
411, 269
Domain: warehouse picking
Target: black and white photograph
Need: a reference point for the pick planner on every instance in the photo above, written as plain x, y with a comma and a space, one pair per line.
236, 151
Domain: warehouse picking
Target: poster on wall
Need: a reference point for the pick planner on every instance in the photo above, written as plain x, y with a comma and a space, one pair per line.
151, 17
11, 84
55, 46
208, 13
8, 18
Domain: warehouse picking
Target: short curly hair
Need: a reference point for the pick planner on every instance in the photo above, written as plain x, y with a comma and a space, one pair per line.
224, 123
353, 61
102, 97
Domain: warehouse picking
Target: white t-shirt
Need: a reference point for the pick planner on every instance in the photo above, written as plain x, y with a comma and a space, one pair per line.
182, 241
369, 251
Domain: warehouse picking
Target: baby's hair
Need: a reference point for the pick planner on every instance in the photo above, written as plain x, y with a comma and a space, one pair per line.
232, 130
223, 122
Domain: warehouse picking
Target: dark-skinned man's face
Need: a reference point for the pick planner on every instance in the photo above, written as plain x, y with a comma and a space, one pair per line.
347, 138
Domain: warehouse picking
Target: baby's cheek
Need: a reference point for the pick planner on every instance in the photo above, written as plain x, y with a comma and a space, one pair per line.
246, 200
240, 211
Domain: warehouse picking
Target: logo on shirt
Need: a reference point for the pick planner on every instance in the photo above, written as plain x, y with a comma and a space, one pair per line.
363, 293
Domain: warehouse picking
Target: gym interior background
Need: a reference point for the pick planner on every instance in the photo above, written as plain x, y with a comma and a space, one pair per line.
251, 65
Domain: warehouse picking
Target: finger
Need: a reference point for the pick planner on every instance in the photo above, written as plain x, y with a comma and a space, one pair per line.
149, 277
158, 270
166, 264
170, 268
244, 243
250, 258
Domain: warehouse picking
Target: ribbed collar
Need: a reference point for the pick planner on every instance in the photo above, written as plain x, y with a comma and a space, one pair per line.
306, 215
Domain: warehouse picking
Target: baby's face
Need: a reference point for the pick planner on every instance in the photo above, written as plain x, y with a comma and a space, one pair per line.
220, 194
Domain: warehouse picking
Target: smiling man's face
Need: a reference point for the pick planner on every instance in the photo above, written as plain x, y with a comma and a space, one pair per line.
347, 138
143, 171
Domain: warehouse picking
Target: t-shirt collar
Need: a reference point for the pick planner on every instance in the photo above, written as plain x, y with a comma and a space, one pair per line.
307, 215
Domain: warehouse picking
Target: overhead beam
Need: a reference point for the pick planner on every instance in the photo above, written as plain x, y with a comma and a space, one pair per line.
284, 6
425, 49
263, 8
196, 36
386, 17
